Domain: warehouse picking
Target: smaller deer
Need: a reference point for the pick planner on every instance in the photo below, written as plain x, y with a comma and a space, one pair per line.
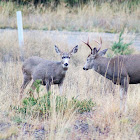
49, 72
122, 70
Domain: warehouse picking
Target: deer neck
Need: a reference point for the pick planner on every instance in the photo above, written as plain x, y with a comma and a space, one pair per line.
102, 65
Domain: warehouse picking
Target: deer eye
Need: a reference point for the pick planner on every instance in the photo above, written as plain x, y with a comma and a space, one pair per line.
63, 57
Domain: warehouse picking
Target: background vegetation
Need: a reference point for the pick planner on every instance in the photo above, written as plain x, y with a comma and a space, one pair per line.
130, 3
97, 15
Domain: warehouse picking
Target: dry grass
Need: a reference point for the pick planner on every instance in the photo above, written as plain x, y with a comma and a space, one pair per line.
103, 123
108, 17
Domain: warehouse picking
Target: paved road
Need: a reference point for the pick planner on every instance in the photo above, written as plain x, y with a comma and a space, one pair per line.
75, 37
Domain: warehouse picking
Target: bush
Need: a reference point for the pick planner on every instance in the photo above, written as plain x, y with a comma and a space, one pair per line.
84, 105
42, 106
120, 48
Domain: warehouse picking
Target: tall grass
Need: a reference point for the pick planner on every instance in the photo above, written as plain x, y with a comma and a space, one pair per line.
55, 3
106, 17
102, 123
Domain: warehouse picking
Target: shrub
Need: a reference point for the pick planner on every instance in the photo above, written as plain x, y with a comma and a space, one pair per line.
84, 105
42, 106
120, 48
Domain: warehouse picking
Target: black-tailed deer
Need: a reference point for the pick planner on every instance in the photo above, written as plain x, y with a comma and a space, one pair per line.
122, 70
49, 72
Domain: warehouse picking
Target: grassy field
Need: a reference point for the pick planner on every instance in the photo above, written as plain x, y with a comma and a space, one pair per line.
90, 17
103, 122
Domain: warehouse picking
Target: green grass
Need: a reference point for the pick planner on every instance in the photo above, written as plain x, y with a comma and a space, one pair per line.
42, 106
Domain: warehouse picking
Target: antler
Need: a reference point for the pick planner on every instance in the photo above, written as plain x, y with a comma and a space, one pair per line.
87, 44
100, 44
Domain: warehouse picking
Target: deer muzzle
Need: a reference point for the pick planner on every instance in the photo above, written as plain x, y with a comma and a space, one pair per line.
85, 68
66, 64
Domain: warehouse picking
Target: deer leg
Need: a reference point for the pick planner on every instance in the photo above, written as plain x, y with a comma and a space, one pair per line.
27, 79
32, 89
60, 88
122, 99
48, 84
123, 95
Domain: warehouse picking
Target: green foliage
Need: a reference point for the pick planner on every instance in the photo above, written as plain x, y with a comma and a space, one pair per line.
17, 119
84, 105
81, 106
37, 85
42, 106
61, 104
120, 48
132, 4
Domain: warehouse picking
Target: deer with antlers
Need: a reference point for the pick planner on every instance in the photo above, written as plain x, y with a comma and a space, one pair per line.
48, 72
122, 69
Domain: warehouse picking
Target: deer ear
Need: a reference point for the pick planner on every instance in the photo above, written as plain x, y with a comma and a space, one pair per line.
74, 50
94, 51
103, 52
57, 50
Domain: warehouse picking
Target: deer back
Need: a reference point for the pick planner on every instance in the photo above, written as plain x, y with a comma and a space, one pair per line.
132, 64
50, 70
30, 64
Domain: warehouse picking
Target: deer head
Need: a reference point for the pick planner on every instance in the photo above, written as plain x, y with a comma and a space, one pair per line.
94, 57
66, 56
